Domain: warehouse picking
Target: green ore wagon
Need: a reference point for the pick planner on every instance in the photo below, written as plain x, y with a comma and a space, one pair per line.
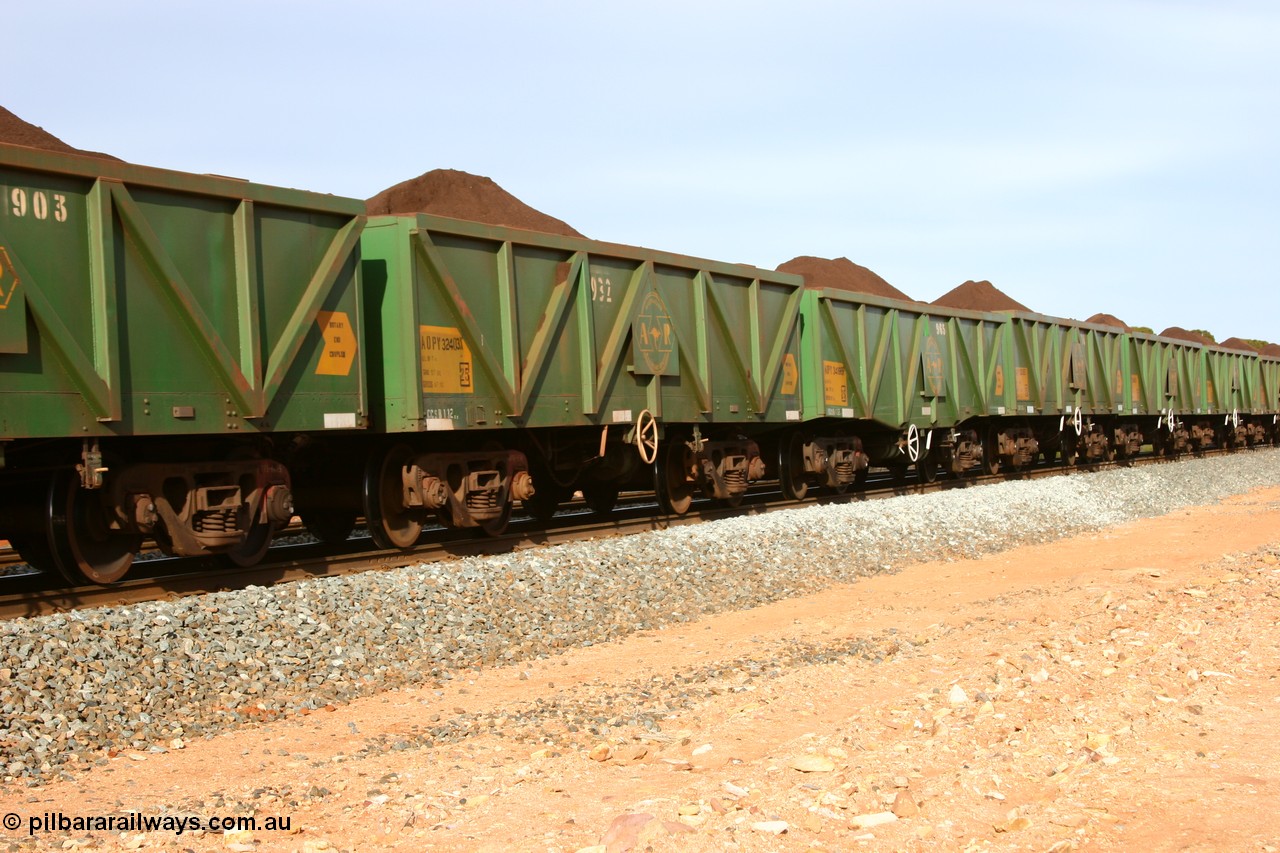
901, 376
524, 366
194, 359
167, 342
943, 390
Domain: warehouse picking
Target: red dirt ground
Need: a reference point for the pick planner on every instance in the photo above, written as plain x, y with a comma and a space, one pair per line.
1114, 691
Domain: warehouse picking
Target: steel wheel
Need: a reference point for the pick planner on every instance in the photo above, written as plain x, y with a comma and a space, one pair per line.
83, 546
927, 467
251, 551
391, 524
547, 493
545, 502
26, 527
791, 471
898, 476
160, 535
34, 550
671, 479
1069, 450
926, 458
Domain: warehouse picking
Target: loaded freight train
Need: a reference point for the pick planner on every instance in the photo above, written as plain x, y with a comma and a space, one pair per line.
194, 359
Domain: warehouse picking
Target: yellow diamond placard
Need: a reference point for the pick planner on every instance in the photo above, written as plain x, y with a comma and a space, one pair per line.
790, 374
339, 350
8, 279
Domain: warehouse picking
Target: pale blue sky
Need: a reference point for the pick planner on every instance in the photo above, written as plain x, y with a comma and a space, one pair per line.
1085, 156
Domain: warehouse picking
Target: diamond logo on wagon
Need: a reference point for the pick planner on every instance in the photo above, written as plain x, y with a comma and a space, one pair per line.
8, 279
934, 371
654, 338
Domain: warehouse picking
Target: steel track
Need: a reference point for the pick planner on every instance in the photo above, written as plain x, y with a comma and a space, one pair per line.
151, 580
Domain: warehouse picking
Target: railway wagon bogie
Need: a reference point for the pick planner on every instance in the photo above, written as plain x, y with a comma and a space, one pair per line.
691, 465
957, 451
819, 457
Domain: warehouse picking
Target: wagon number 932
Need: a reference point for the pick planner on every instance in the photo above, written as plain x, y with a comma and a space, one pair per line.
601, 289
37, 204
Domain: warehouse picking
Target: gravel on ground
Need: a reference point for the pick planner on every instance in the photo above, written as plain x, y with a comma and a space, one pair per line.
75, 686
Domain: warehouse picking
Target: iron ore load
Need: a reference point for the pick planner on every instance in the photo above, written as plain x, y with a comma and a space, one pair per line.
194, 360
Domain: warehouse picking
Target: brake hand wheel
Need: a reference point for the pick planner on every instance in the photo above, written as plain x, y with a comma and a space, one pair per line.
646, 436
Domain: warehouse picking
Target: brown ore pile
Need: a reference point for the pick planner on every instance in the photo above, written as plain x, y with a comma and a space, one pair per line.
1271, 349
15, 131
979, 296
1181, 334
460, 195
1238, 343
1108, 320
843, 274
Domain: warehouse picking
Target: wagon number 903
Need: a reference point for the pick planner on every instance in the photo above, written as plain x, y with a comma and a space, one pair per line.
37, 204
